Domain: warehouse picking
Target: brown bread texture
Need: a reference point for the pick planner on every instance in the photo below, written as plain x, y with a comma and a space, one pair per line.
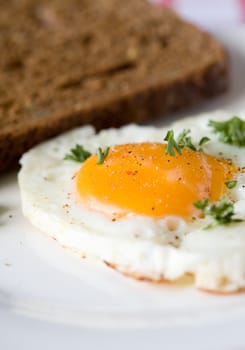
66, 63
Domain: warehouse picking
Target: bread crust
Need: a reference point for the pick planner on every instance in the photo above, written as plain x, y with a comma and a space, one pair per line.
140, 78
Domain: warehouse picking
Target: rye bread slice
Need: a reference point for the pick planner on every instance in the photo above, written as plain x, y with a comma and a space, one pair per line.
66, 63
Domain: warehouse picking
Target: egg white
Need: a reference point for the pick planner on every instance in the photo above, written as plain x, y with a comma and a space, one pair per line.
138, 245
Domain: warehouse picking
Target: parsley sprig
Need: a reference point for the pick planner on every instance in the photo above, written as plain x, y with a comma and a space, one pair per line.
172, 144
183, 140
102, 154
231, 131
78, 154
221, 212
231, 184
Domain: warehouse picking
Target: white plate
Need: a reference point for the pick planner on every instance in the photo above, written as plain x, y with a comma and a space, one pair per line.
46, 293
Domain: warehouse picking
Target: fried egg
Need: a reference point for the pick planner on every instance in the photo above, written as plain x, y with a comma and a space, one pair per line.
135, 210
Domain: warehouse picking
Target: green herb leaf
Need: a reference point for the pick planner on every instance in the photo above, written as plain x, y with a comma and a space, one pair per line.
203, 140
202, 205
102, 155
172, 144
78, 154
222, 212
185, 141
231, 184
231, 131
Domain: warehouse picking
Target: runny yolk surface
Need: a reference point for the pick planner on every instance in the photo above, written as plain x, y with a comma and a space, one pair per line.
141, 179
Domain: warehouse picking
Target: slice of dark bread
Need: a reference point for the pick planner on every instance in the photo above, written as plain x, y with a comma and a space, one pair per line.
66, 63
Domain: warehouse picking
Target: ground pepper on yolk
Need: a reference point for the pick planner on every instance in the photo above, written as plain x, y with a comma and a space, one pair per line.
142, 179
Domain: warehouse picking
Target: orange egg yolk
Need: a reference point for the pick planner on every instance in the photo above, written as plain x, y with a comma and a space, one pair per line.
142, 179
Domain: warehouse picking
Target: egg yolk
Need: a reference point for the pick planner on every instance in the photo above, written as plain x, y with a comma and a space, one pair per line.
142, 179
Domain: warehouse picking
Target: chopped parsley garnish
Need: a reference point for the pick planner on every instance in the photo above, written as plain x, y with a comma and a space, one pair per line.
172, 144
102, 155
201, 205
222, 212
231, 184
203, 140
231, 131
183, 140
78, 154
